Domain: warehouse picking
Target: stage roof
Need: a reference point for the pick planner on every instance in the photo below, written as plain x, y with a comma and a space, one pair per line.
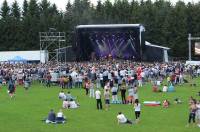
157, 46
109, 26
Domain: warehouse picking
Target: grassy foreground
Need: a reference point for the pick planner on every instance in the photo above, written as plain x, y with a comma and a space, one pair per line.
25, 112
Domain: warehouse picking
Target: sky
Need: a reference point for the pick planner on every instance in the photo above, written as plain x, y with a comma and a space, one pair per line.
62, 3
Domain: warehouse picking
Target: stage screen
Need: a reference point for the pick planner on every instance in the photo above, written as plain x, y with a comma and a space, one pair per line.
117, 45
197, 48
123, 42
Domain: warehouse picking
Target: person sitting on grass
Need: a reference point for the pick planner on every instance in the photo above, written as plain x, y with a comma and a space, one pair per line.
165, 88
62, 95
51, 117
166, 103
73, 104
177, 101
65, 104
122, 119
60, 118
155, 88
68, 96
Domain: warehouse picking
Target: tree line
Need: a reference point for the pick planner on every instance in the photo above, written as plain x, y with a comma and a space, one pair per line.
166, 24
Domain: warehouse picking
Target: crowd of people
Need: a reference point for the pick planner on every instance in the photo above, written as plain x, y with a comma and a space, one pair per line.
113, 78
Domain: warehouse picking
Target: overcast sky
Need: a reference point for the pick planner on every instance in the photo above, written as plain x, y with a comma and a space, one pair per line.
61, 3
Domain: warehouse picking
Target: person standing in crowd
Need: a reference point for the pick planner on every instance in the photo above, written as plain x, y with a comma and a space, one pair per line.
114, 94
130, 94
123, 92
192, 112
135, 95
48, 79
91, 87
11, 88
98, 82
198, 113
98, 99
1, 81
80, 80
70, 83
27, 82
121, 119
87, 86
107, 99
137, 107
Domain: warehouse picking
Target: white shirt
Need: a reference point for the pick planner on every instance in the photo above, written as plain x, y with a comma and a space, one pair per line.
109, 76
80, 78
73, 104
59, 114
198, 108
101, 76
62, 95
131, 92
114, 89
137, 107
121, 118
165, 89
98, 94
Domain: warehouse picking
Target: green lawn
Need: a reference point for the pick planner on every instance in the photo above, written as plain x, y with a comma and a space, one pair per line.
24, 113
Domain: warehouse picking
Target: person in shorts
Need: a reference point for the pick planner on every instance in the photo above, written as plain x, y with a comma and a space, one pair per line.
107, 98
114, 94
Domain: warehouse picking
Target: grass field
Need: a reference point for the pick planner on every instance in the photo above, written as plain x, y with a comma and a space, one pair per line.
25, 112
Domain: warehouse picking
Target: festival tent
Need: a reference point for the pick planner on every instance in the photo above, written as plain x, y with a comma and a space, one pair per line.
24, 56
17, 59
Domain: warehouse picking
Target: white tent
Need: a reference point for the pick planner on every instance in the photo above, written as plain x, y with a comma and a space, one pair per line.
41, 56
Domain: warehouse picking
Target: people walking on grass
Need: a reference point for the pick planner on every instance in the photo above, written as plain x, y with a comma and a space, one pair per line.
137, 108
107, 99
98, 99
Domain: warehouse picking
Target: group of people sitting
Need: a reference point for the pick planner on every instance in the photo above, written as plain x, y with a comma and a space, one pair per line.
55, 118
165, 88
68, 100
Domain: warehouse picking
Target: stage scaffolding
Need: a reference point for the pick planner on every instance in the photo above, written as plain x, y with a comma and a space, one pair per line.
51, 40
